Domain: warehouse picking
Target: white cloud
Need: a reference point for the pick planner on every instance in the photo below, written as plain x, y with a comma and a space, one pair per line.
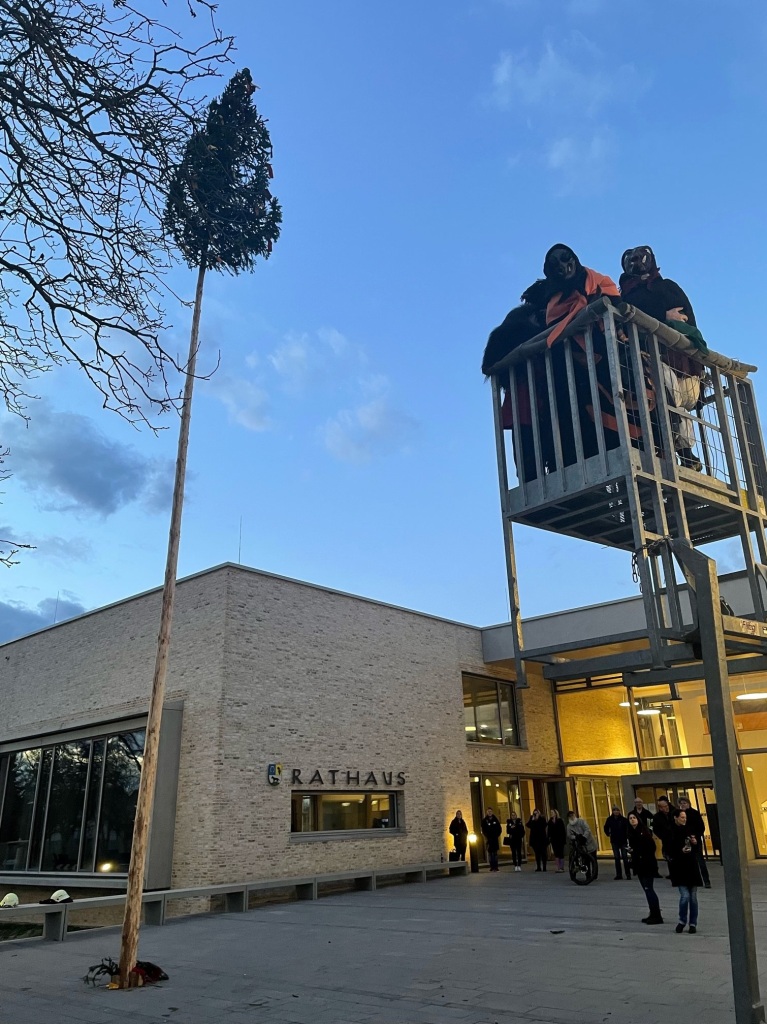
369, 429
581, 162
291, 359
246, 402
572, 83
554, 80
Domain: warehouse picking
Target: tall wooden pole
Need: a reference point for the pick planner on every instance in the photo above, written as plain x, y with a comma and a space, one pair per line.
136, 871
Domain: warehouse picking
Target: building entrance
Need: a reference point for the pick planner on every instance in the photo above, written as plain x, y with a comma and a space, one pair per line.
512, 796
701, 796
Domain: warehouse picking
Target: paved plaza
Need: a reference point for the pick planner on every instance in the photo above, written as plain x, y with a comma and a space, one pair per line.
507, 948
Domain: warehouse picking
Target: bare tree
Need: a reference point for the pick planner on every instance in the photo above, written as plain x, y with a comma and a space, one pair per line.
96, 105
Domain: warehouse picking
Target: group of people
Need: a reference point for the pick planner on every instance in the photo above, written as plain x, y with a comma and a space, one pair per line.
680, 831
544, 833
566, 288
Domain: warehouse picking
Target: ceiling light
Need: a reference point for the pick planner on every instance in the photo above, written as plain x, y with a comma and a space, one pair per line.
627, 704
649, 711
751, 696
749, 769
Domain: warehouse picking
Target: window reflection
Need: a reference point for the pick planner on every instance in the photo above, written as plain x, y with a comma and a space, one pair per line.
69, 807
118, 803
16, 823
63, 827
490, 714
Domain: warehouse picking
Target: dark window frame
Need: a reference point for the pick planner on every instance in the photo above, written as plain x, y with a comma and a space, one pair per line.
37, 837
316, 796
474, 735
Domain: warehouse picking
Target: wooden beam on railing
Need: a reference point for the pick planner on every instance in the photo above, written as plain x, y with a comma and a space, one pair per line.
626, 313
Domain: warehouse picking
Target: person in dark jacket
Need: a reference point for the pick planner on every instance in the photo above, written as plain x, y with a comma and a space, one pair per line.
685, 875
616, 830
643, 814
641, 284
662, 823
641, 845
521, 324
574, 287
556, 830
539, 839
491, 830
460, 832
698, 829
515, 830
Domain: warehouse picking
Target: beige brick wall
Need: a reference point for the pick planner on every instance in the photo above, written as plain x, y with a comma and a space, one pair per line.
316, 679
98, 668
274, 670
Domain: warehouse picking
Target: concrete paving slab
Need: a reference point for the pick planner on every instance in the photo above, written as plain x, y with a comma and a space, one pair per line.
488, 949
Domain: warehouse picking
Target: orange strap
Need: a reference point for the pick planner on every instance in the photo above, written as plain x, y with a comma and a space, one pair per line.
567, 308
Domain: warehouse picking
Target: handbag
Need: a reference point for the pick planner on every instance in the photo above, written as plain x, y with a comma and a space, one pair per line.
507, 840
453, 855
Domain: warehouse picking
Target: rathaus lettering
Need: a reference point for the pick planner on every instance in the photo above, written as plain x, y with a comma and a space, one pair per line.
335, 776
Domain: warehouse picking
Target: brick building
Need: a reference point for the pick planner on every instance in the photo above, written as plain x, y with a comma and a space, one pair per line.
360, 703
382, 720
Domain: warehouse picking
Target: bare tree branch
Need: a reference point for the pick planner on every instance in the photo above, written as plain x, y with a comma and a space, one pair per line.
96, 104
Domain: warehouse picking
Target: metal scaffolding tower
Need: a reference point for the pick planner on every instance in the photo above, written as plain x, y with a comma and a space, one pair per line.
593, 442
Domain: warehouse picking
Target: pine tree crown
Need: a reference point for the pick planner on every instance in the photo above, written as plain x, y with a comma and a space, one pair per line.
220, 210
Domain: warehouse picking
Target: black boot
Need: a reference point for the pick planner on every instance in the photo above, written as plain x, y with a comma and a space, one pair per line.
653, 919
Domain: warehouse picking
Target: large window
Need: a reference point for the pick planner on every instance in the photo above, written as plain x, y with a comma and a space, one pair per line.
70, 806
489, 711
342, 812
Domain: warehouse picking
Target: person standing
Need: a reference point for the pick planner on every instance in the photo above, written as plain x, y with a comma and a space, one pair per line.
663, 822
644, 862
616, 830
539, 839
491, 830
685, 875
557, 834
697, 829
515, 830
460, 832
643, 814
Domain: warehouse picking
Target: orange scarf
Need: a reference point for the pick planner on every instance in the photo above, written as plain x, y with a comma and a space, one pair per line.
567, 308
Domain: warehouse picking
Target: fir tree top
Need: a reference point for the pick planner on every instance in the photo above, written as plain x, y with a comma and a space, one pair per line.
220, 210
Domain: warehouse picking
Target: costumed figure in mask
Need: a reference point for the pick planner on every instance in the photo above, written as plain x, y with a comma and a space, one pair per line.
572, 288
641, 284
521, 324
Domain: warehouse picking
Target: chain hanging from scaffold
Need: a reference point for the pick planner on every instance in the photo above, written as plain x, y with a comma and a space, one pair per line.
635, 569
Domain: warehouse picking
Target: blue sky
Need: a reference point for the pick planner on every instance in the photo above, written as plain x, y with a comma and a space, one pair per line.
426, 156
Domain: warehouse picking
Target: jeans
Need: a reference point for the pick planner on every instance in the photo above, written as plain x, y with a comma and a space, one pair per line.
540, 859
646, 881
688, 897
461, 851
492, 856
620, 854
516, 852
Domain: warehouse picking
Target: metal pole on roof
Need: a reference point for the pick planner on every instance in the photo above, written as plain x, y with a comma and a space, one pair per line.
701, 573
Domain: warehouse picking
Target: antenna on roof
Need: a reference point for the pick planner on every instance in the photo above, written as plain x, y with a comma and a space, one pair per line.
56, 609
